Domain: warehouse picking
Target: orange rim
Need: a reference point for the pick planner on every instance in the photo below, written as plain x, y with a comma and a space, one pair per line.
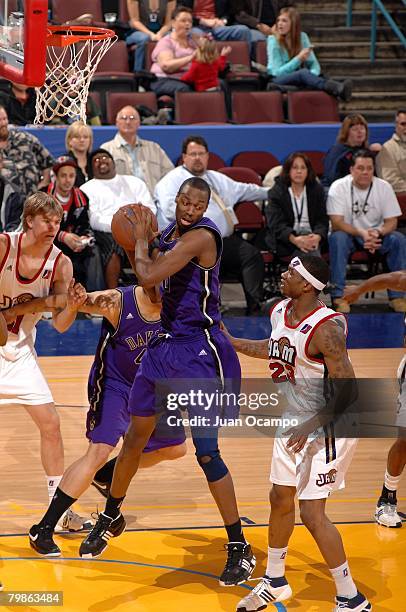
62, 36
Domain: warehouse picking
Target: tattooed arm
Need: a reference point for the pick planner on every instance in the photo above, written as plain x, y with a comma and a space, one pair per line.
329, 341
251, 348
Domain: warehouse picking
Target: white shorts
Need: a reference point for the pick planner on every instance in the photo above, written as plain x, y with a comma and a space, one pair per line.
22, 382
317, 470
401, 415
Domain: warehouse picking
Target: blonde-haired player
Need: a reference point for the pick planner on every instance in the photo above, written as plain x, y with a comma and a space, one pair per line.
307, 343
386, 509
32, 266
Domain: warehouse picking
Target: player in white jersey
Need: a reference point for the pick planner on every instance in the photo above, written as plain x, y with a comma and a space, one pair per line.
3, 330
386, 508
307, 343
32, 266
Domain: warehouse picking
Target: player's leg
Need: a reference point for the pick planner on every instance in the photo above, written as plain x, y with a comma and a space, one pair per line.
274, 587
111, 522
74, 483
386, 509
240, 559
322, 471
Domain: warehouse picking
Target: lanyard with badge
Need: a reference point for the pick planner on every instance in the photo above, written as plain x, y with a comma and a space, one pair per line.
356, 209
298, 209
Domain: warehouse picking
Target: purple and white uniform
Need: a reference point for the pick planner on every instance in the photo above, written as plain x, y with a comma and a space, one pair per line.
117, 359
193, 352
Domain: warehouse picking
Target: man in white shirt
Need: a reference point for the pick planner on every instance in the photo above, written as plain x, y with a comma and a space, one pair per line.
141, 158
107, 192
363, 211
239, 255
391, 160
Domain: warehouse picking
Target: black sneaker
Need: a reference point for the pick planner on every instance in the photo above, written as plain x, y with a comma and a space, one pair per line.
41, 541
102, 487
239, 565
98, 538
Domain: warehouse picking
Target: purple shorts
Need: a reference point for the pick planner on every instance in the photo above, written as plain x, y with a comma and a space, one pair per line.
110, 421
203, 364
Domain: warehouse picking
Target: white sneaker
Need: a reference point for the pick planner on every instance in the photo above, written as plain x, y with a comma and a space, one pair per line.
386, 515
359, 603
265, 593
70, 521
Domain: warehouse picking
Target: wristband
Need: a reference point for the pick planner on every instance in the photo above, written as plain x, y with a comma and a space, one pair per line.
61, 236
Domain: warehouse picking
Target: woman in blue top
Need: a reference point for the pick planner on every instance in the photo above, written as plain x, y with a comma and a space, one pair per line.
291, 59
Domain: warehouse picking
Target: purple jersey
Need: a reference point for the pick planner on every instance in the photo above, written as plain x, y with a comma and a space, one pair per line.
119, 351
190, 297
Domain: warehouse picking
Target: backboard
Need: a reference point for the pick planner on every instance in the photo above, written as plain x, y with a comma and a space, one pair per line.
23, 30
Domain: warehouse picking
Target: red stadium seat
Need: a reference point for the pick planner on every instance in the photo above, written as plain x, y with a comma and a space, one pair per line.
200, 107
312, 107
317, 161
257, 107
241, 174
68, 10
260, 161
117, 100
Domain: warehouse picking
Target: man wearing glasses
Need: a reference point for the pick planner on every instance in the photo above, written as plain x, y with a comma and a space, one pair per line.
134, 156
363, 210
391, 161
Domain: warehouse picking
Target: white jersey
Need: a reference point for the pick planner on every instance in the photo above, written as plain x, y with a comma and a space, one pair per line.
15, 289
303, 376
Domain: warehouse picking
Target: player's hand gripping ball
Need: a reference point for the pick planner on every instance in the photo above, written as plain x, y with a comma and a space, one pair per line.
127, 218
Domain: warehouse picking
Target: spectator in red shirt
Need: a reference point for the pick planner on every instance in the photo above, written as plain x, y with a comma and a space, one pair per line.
205, 67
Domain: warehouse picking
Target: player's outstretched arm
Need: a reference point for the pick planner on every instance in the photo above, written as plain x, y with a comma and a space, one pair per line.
44, 304
104, 303
3, 330
251, 348
396, 281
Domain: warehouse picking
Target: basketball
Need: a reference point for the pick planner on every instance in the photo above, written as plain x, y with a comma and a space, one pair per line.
122, 228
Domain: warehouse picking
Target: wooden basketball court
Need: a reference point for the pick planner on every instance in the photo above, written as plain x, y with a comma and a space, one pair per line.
172, 553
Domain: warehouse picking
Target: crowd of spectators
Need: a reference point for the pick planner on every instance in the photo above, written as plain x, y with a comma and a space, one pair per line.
352, 207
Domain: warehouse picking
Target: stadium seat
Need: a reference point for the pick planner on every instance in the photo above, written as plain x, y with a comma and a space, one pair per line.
257, 107
260, 52
68, 10
312, 107
239, 74
402, 203
250, 217
200, 107
260, 161
117, 100
241, 174
123, 11
317, 161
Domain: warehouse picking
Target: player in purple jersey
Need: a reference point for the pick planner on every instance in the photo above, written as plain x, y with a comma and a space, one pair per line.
193, 354
131, 319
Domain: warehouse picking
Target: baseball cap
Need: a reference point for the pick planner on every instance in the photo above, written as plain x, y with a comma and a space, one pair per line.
64, 160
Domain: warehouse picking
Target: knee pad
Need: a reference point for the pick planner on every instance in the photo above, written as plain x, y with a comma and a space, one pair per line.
215, 469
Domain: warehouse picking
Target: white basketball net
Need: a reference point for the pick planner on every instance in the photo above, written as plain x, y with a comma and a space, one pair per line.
69, 72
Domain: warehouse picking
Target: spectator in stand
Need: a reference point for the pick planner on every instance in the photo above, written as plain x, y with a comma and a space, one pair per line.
79, 143
173, 54
149, 21
292, 61
239, 256
391, 161
363, 210
257, 15
208, 62
74, 232
352, 137
19, 102
30, 160
11, 204
107, 192
213, 16
296, 214
134, 156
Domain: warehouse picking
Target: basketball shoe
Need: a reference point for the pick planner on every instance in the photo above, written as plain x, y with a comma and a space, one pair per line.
386, 514
41, 541
102, 487
239, 565
98, 538
359, 603
269, 590
70, 521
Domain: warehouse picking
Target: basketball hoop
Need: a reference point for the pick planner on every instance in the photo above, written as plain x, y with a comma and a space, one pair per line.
73, 53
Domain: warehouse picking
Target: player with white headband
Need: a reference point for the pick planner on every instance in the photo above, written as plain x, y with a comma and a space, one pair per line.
307, 346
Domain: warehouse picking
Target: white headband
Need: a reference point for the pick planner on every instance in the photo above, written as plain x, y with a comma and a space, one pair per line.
297, 264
